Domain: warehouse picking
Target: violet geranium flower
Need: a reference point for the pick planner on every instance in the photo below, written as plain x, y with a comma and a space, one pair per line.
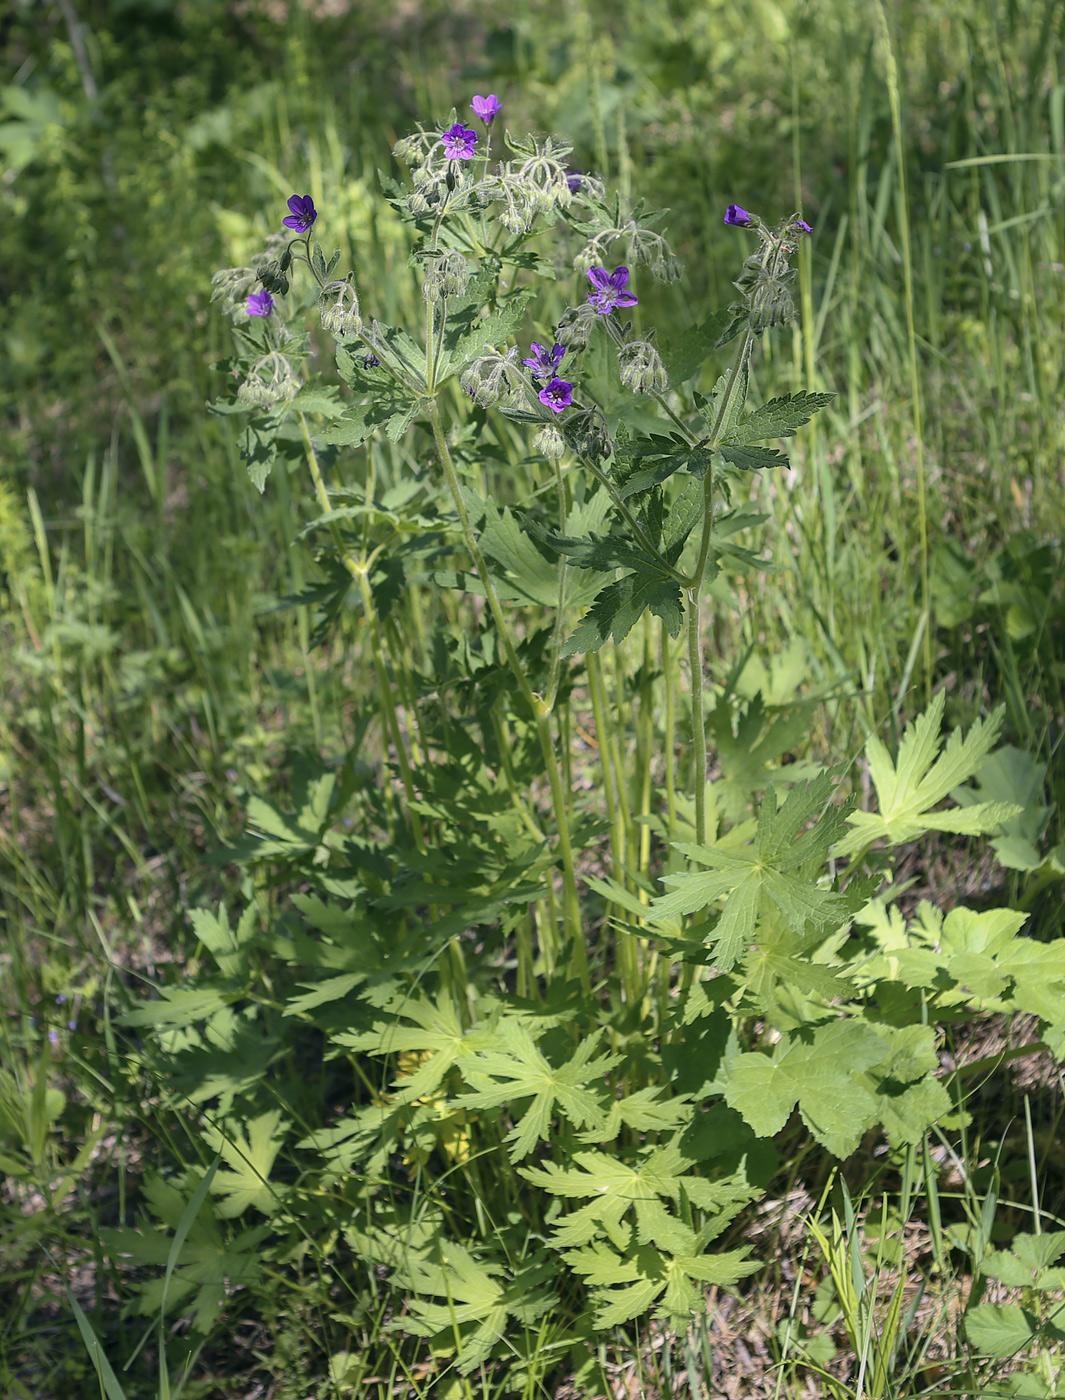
459, 142
259, 304
575, 179
801, 225
557, 396
736, 214
610, 289
303, 213
486, 107
544, 363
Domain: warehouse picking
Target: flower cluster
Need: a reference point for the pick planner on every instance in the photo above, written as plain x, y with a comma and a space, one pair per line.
270, 381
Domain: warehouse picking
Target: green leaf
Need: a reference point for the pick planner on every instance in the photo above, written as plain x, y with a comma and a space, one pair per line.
258, 448
685, 355
1011, 776
620, 605
474, 1298
251, 1158
431, 1033
495, 329
751, 459
1003, 1329
908, 789
780, 867
818, 1075
778, 418
521, 1071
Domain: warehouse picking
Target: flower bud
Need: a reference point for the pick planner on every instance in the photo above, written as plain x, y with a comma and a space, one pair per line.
448, 276
575, 327
589, 435
641, 367
549, 441
489, 378
270, 381
338, 306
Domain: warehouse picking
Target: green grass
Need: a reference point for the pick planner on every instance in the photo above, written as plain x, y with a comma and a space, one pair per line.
151, 680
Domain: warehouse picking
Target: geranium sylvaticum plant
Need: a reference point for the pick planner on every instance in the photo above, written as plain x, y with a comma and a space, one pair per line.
584, 946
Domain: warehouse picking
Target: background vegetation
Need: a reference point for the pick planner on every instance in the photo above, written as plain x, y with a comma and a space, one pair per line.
152, 681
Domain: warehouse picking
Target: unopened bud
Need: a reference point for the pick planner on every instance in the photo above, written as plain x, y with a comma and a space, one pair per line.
589, 435
641, 367
270, 381
575, 327
488, 378
549, 441
338, 306
448, 276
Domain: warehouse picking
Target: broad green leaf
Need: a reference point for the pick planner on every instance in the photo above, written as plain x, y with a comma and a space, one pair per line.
431, 1036
1010, 775
250, 1156
752, 459
227, 946
908, 789
818, 1075
473, 1295
1002, 1329
778, 418
686, 354
520, 1071
179, 1006
620, 605
778, 867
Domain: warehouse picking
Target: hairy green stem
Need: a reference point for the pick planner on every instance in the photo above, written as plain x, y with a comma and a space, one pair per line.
536, 704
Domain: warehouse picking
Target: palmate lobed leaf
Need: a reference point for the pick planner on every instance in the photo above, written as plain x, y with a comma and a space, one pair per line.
818, 1075
519, 1070
908, 789
777, 866
620, 605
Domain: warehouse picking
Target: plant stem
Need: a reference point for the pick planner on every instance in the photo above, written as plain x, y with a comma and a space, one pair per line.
358, 570
695, 664
536, 704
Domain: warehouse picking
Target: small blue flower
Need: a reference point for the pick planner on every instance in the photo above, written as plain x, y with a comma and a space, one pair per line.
370, 361
799, 226
610, 289
259, 304
486, 107
557, 396
542, 363
735, 214
303, 213
575, 179
459, 142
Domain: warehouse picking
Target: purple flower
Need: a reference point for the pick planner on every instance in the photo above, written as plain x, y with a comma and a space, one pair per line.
53, 1037
801, 225
72, 1025
575, 179
259, 304
610, 289
370, 361
486, 107
557, 396
543, 363
303, 213
734, 214
459, 141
